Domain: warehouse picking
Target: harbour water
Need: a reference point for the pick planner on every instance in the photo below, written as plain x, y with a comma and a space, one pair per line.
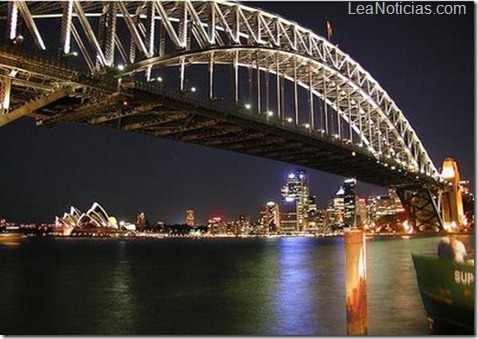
220, 286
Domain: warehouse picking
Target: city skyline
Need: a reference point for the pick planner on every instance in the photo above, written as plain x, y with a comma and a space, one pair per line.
50, 169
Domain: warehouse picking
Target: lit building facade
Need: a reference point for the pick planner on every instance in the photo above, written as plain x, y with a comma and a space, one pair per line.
383, 205
361, 212
95, 217
217, 226
349, 202
339, 208
190, 218
295, 206
270, 217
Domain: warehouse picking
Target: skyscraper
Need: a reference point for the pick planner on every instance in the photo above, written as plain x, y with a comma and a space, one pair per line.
190, 219
338, 208
295, 206
349, 202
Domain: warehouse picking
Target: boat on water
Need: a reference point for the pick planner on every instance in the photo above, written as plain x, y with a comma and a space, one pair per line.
11, 236
447, 289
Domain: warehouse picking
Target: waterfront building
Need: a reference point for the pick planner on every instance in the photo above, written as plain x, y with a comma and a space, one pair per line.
384, 210
243, 224
95, 217
190, 218
217, 226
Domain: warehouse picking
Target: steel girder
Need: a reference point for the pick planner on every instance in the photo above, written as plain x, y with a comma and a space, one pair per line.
421, 207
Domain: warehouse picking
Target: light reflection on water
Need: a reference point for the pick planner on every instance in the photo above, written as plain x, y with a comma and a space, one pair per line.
284, 286
302, 297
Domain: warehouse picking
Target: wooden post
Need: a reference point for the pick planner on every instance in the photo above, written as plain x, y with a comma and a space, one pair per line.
356, 282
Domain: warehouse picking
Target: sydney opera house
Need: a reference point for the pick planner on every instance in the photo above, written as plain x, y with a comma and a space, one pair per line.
94, 221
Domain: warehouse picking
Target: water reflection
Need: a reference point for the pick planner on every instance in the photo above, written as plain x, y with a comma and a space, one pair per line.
306, 299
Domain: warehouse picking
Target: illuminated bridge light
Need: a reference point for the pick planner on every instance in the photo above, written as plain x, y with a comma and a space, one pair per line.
270, 113
247, 106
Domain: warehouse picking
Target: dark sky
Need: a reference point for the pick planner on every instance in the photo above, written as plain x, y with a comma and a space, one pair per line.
425, 63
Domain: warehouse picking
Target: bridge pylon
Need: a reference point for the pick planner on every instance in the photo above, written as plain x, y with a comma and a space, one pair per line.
451, 198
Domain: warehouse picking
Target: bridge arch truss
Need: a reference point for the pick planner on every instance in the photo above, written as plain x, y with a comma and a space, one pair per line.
272, 64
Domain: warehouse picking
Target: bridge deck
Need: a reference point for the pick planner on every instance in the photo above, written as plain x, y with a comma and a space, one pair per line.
150, 110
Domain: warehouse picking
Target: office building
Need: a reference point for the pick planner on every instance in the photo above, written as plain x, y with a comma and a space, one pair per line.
295, 206
349, 202
190, 218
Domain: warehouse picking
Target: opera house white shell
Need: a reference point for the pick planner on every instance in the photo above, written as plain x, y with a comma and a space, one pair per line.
95, 217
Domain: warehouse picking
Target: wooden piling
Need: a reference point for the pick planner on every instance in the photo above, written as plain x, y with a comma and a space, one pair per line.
356, 282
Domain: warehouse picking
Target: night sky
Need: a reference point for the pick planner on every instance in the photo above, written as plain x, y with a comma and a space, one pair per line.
425, 63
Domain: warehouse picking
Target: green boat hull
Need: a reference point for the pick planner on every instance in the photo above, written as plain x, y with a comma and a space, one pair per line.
447, 289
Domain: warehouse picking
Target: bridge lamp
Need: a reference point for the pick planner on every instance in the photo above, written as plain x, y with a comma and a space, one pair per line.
289, 119
247, 106
270, 113
159, 79
120, 67
306, 125
193, 89
353, 154
18, 39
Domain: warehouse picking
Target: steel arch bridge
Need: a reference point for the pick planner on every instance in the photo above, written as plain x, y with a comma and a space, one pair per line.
216, 73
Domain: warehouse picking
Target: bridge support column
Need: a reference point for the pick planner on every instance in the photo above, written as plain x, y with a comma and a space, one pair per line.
356, 282
451, 198
5, 88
